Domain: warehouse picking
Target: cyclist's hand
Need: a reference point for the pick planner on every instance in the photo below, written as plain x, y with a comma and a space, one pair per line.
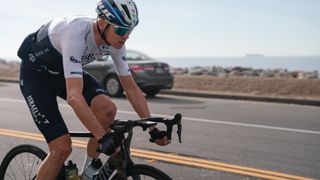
109, 143
159, 137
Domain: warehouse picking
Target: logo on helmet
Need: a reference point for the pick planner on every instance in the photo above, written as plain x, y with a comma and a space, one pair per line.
104, 11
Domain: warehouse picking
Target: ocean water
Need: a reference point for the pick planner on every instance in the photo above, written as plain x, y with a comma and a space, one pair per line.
291, 63
301, 63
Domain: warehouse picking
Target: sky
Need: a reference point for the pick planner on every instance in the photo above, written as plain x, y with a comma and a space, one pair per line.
187, 28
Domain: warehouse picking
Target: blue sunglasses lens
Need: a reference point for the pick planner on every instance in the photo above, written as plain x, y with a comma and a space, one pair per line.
121, 31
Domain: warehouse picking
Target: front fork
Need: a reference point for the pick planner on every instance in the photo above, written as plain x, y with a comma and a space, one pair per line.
122, 160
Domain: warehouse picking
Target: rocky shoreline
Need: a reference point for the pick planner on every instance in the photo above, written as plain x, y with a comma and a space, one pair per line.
254, 86
237, 71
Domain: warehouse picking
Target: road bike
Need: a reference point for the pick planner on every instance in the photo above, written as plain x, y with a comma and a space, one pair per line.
22, 161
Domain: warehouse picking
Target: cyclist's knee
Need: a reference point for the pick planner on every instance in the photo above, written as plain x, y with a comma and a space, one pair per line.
60, 148
61, 153
104, 109
108, 111
111, 110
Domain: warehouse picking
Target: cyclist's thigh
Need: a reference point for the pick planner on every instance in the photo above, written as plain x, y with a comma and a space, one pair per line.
40, 95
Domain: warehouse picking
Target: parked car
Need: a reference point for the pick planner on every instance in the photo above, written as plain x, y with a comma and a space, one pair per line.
197, 70
151, 75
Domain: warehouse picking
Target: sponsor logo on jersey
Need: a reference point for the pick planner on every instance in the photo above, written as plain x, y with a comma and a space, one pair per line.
105, 49
74, 60
53, 72
88, 58
42, 52
100, 90
76, 72
124, 58
32, 58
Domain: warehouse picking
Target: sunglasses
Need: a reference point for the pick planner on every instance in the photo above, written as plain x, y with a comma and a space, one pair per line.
121, 31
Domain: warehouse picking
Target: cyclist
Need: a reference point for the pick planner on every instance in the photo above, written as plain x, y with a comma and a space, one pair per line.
51, 67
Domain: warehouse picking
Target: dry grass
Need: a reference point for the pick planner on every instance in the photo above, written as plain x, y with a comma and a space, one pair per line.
10, 71
271, 87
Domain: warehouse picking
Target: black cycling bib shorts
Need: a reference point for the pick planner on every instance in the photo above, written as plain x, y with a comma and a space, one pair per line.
42, 81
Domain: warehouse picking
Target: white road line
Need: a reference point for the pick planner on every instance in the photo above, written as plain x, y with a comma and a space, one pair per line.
233, 123
11, 100
199, 120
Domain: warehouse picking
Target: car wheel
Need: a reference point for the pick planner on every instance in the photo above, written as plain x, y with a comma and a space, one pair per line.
113, 86
152, 93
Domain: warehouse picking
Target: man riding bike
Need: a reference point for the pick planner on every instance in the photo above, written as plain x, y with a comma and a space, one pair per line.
51, 67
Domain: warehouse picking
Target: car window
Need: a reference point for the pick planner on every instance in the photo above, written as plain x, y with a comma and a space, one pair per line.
131, 56
136, 56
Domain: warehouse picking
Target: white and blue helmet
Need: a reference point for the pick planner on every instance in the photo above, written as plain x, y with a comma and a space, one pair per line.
123, 13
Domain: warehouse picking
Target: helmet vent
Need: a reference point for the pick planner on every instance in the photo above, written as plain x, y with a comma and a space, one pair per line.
126, 10
113, 3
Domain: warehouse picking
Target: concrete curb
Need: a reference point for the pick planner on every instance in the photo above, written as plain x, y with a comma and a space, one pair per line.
9, 80
242, 97
223, 96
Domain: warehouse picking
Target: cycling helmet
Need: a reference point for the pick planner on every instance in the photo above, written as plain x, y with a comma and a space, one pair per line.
123, 13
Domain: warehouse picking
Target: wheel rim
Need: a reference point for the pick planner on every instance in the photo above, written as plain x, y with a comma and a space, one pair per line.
140, 177
113, 86
23, 166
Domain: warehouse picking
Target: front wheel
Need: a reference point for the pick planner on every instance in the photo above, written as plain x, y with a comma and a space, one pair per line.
22, 162
142, 171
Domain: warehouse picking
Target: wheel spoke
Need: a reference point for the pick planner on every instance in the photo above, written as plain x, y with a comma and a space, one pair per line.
23, 165
31, 164
13, 174
29, 167
17, 168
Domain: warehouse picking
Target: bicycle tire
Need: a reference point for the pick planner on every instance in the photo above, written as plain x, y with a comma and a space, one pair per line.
148, 172
15, 156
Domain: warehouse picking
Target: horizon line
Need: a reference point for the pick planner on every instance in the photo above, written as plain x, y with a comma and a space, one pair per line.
10, 58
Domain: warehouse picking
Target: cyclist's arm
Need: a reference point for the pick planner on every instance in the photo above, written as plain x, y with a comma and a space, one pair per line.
135, 96
129, 85
72, 48
139, 103
76, 100
133, 92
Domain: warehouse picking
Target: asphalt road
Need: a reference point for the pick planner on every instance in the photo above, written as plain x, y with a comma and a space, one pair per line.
222, 139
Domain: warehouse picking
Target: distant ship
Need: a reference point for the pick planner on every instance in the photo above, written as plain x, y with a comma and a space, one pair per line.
254, 55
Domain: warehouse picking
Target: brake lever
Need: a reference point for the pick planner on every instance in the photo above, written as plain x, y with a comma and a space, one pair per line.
178, 117
179, 132
175, 121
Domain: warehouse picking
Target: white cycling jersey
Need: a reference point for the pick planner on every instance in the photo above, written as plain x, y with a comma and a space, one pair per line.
73, 38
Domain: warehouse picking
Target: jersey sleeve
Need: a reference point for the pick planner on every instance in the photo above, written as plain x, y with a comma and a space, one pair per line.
72, 47
120, 61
